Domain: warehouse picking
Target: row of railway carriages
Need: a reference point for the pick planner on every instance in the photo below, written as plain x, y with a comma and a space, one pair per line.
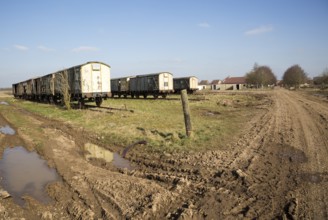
91, 81
156, 84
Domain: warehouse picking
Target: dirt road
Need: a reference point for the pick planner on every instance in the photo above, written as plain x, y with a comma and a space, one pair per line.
278, 168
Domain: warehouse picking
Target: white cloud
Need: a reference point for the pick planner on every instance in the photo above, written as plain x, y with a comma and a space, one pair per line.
20, 47
204, 25
84, 48
259, 30
45, 49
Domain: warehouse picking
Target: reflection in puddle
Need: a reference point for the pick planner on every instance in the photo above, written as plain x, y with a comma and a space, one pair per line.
94, 151
7, 130
25, 173
4, 103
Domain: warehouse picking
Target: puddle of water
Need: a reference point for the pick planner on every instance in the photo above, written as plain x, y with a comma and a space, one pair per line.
7, 130
94, 151
25, 173
4, 103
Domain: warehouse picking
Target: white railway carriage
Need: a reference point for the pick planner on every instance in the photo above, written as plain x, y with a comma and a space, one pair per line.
95, 80
156, 84
90, 80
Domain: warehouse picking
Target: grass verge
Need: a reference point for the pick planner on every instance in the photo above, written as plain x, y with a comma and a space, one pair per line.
215, 117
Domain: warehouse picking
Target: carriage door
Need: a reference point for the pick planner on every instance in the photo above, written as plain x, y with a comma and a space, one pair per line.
96, 78
166, 81
77, 82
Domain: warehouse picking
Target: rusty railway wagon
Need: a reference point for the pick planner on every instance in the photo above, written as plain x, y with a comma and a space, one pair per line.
155, 84
189, 83
88, 82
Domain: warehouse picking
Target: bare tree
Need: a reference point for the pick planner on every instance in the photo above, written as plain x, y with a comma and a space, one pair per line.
65, 89
294, 76
261, 76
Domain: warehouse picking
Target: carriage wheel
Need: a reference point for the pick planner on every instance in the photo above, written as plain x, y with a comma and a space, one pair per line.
98, 101
81, 104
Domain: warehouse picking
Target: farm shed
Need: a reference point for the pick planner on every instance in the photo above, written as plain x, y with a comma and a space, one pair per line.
204, 84
215, 84
233, 83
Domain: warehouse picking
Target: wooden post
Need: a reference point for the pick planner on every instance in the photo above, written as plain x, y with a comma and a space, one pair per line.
186, 112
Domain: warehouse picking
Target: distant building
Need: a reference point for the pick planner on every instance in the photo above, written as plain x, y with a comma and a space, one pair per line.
204, 84
215, 84
233, 83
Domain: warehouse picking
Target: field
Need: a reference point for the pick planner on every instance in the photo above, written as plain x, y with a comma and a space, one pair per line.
160, 122
252, 154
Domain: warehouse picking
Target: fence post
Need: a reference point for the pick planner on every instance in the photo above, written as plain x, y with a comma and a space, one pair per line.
186, 112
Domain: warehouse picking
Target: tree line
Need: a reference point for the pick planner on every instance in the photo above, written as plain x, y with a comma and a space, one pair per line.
322, 80
294, 76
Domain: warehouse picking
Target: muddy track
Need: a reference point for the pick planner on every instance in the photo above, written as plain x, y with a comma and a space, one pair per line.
276, 169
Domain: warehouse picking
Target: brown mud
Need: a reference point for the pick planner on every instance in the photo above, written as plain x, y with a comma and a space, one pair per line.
276, 169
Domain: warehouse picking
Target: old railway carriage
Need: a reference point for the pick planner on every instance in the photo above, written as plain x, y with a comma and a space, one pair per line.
89, 81
120, 86
189, 83
156, 84
24, 89
86, 82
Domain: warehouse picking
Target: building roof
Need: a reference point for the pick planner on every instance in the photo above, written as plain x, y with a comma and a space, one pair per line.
234, 80
216, 81
204, 82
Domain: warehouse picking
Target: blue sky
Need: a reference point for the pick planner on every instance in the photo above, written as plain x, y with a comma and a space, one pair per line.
211, 39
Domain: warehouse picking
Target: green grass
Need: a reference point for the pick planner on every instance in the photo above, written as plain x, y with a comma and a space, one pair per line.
160, 122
